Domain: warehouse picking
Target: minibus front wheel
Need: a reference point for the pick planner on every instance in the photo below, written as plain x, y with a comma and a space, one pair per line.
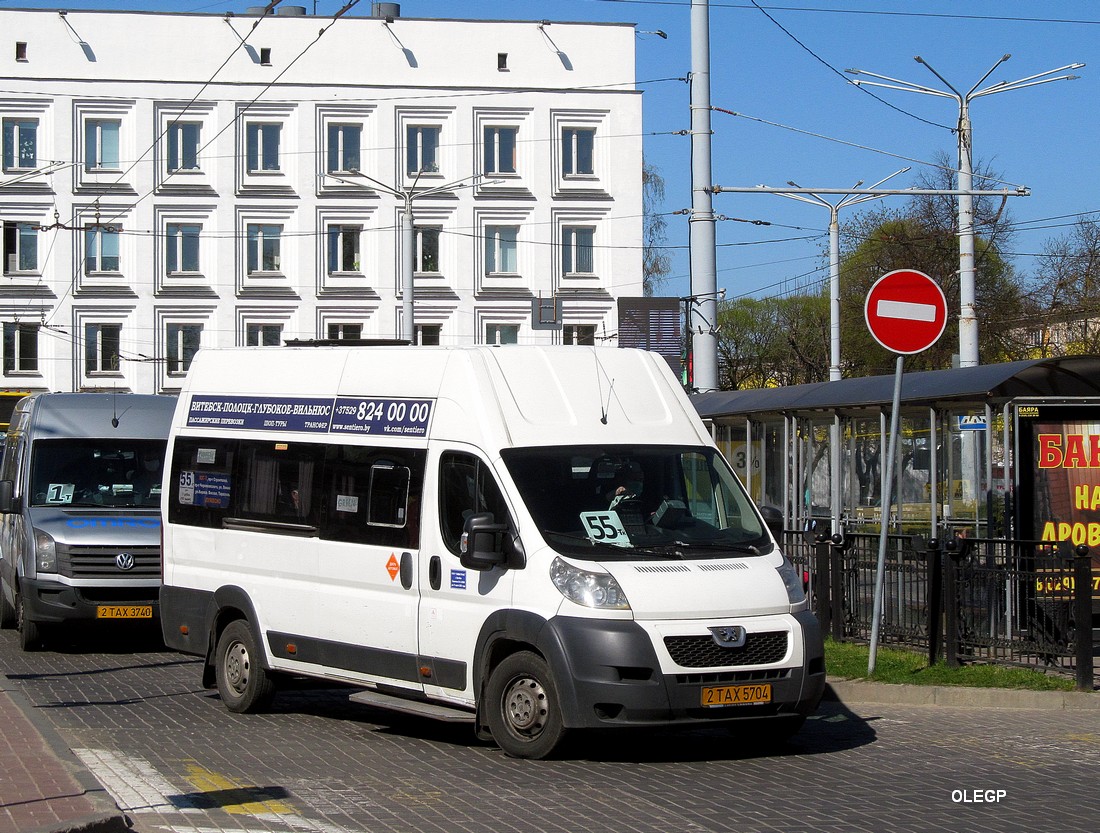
243, 683
524, 710
30, 634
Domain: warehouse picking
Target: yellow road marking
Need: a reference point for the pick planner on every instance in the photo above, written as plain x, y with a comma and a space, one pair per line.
234, 797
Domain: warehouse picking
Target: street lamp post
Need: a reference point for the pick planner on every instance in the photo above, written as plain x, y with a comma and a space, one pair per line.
408, 237
968, 322
834, 255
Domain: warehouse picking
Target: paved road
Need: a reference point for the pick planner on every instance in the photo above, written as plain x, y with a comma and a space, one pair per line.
175, 760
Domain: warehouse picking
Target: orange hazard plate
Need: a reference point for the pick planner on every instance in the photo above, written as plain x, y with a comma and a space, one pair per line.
737, 695
124, 612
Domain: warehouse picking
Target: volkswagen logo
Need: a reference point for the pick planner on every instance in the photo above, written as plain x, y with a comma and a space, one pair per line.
124, 561
729, 636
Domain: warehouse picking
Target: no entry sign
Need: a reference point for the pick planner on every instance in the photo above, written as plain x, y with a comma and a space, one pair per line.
906, 311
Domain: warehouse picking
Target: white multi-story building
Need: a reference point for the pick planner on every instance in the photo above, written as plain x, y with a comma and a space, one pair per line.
172, 181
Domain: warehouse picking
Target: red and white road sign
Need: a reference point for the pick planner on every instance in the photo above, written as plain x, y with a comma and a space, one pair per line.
906, 311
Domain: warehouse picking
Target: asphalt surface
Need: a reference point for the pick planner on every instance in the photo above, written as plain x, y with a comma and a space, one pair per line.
46, 788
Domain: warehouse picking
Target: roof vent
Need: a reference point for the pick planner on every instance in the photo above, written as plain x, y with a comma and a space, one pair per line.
255, 11
385, 10
291, 11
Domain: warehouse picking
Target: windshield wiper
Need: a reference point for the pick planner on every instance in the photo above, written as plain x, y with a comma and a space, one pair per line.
748, 549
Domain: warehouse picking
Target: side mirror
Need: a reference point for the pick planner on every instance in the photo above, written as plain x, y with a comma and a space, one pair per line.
482, 545
773, 519
8, 503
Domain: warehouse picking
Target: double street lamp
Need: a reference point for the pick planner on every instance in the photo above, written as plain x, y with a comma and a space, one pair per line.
408, 237
968, 322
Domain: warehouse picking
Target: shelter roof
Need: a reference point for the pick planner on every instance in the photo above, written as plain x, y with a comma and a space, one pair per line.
1069, 376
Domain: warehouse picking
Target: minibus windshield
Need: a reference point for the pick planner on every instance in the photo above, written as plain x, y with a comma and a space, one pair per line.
630, 502
96, 473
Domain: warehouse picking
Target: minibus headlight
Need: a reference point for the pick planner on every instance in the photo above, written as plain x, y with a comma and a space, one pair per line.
792, 581
582, 587
45, 554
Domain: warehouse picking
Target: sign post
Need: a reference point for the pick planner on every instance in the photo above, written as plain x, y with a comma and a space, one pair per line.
906, 313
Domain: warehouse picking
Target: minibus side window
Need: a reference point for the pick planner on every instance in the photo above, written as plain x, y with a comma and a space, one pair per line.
372, 495
466, 487
200, 487
278, 481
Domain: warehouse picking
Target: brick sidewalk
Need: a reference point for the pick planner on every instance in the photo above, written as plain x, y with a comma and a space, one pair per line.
43, 787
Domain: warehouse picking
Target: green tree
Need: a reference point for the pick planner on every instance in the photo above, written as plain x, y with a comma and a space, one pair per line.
656, 262
1065, 294
885, 239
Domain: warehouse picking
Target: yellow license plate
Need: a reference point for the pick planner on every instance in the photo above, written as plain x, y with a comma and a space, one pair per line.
737, 695
124, 612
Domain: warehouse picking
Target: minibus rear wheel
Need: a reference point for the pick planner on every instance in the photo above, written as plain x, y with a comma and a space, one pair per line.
243, 683
524, 710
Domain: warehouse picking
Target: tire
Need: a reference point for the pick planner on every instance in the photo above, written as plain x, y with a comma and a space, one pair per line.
8, 617
243, 683
523, 708
30, 634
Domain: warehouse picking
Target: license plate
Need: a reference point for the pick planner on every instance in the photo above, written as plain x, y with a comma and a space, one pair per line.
124, 612
737, 695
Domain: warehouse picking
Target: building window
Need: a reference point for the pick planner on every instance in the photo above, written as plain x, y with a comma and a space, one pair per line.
584, 334
343, 248
343, 147
21, 51
100, 249
428, 334
263, 335
20, 145
500, 150
502, 333
262, 147
20, 348
576, 250
422, 149
345, 332
577, 144
182, 250
20, 248
264, 243
101, 343
182, 343
183, 146
101, 145
427, 249
500, 249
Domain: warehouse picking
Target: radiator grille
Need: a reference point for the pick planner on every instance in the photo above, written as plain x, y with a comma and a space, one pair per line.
704, 652
99, 562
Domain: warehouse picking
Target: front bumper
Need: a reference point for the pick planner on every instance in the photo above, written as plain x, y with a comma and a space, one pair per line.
609, 674
51, 602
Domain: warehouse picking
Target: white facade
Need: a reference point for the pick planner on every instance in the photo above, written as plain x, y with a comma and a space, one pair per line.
241, 196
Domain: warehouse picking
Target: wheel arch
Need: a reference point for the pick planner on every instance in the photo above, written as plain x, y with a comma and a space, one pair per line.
507, 632
231, 603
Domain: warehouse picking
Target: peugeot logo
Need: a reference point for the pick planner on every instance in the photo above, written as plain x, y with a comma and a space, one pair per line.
124, 561
729, 636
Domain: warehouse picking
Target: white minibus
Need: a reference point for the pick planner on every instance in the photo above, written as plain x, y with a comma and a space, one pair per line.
529, 539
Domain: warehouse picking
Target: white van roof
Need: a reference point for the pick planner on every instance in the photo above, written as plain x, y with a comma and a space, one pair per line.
490, 396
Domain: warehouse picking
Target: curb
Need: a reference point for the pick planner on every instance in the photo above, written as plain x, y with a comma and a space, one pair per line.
106, 817
860, 691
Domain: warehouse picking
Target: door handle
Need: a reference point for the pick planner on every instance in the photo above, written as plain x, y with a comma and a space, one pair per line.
435, 572
407, 570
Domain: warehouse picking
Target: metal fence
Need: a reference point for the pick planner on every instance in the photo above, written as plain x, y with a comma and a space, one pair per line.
997, 601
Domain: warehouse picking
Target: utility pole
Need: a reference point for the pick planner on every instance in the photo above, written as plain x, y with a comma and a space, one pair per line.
968, 321
703, 314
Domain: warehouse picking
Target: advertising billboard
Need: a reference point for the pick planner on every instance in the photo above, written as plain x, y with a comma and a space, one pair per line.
1058, 480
